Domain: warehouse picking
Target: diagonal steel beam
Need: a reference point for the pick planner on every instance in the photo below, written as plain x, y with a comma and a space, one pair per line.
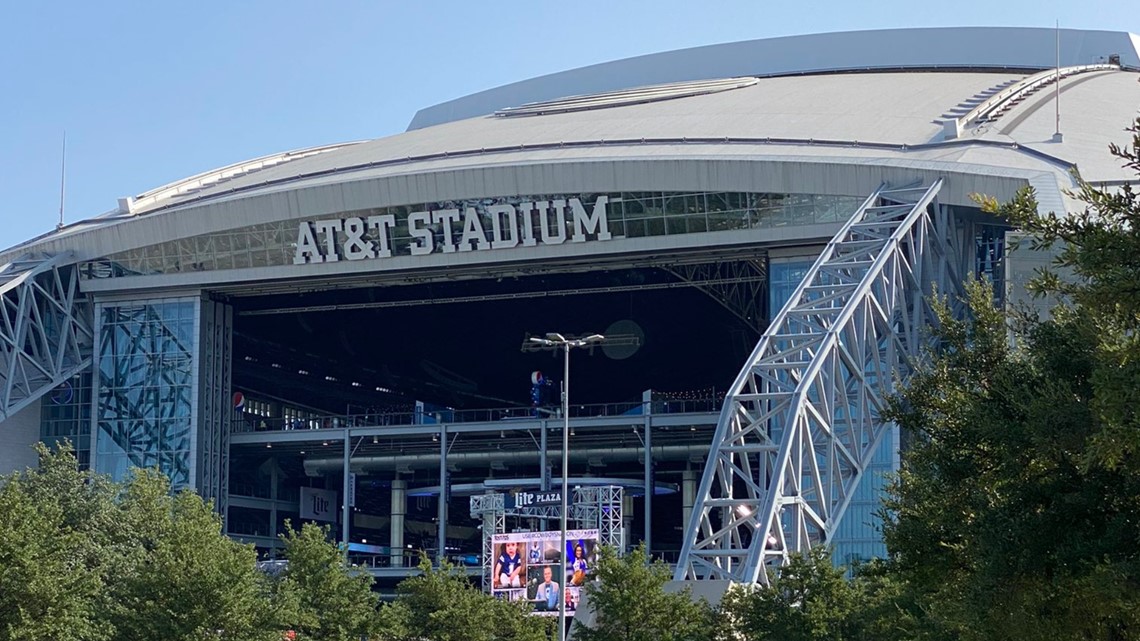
45, 330
800, 424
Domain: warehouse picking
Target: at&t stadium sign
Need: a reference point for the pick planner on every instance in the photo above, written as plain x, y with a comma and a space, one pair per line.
500, 226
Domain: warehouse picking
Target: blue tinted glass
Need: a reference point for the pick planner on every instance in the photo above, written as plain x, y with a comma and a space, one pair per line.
783, 278
146, 378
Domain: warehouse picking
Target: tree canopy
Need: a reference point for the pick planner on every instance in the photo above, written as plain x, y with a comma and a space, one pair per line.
318, 594
84, 558
1017, 512
629, 603
442, 604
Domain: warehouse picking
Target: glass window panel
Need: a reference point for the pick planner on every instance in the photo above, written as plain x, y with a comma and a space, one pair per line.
146, 376
655, 227
274, 243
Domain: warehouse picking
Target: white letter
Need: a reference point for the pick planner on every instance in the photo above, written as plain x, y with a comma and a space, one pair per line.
382, 224
446, 217
426, 244
356, 247
499, 213
472, 231
595, 223
559, 209
329, 228
307, 250
526, 211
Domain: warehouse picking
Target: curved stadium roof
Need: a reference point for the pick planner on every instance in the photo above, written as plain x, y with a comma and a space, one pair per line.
874, 97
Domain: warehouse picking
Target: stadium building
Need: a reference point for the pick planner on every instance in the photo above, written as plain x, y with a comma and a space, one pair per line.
341, 333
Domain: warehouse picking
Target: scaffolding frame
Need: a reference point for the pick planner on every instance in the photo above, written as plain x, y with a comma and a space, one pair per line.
597, 506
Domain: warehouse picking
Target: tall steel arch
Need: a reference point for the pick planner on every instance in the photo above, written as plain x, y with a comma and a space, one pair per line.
45, 328
801, 422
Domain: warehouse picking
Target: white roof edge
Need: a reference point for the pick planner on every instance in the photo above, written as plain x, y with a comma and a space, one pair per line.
990, 47
153, 197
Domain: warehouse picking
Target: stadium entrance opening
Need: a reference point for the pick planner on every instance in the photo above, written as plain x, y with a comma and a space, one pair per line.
401, 360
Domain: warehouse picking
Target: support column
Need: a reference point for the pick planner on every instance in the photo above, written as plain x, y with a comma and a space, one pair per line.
543, 466
396, 525
273, 477
626, 520
688, 497
346, 509
214, 394
442, 516
647, 400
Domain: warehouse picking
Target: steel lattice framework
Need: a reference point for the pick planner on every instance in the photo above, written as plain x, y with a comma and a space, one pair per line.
801, 422
600, 506
45, 332
741, 287
593, 507
491, 508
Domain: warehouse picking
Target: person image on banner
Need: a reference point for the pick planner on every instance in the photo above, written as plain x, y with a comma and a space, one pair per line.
548, 590
579, 566
508, 566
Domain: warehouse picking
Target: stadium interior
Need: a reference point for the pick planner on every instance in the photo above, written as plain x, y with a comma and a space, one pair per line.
367, 354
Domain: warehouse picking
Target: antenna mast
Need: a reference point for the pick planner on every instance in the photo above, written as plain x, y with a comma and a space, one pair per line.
1057, 137
62, 178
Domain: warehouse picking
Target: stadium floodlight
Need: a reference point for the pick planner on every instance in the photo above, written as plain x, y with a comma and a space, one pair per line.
559, 342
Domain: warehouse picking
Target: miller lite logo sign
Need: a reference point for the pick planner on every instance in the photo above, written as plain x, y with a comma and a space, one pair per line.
538, 499
318, 505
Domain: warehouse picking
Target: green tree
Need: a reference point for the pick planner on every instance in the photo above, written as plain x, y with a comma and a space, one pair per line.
184, 579
1017, 512
48, 590
443, 605
321, 597
808, 600
84, 558
629, 602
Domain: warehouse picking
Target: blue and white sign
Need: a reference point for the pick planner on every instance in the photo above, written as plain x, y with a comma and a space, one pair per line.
534, 499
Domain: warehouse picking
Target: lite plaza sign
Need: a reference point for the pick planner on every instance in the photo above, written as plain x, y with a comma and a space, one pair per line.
536, 499
527, 224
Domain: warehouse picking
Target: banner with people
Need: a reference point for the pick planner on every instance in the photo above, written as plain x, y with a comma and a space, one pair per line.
526, 566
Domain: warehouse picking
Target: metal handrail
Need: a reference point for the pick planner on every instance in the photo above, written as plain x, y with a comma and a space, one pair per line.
247, 422
953, 128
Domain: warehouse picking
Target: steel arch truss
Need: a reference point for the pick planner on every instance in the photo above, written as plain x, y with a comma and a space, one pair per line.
801, 422
45, 330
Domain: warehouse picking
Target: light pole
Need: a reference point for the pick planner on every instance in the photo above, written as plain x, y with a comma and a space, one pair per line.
558, 341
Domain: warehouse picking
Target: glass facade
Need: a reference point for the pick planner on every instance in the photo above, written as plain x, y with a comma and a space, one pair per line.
629, 214
146, 366
65, 414
859, 535
784, 276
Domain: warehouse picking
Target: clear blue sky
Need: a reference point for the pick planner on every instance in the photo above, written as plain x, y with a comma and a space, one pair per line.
150, 92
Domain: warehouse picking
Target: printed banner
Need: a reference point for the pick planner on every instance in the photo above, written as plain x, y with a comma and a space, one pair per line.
526, 566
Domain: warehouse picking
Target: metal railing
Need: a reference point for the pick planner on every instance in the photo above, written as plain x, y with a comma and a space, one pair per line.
247, 422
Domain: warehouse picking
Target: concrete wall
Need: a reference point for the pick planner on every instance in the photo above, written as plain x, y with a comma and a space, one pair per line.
17, 436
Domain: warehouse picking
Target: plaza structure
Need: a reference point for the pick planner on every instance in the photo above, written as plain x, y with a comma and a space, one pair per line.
339, 333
